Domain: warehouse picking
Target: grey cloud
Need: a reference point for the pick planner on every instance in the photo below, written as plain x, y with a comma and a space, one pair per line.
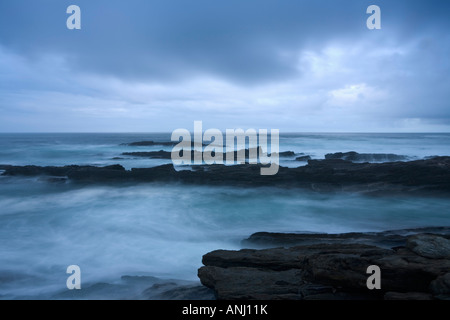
255, 50
167, 40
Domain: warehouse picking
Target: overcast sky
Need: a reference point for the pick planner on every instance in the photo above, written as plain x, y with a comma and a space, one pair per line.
293, 65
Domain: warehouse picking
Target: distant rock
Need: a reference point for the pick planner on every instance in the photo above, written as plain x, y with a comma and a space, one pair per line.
284, 154
150, 143
303, 158
161, 154
331, 270
366, 157
159, 143
150, 154
421, 177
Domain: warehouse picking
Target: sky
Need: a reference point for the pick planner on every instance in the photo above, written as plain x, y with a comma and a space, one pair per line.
159, 65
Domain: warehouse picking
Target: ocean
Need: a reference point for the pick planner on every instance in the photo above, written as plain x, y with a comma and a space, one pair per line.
162, 230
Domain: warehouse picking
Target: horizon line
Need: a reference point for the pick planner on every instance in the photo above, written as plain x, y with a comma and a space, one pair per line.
169, 132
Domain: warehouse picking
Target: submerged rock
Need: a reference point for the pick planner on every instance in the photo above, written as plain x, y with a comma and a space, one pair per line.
150, 143
303, 158
366, 157
284, 154
150, 154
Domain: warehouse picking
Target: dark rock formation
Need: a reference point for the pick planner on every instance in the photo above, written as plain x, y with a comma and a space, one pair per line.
193, 153
150, 143
233, 283
285, 154
429, 246
408, 296
366, 157
441, 286
303, 158
385, 239
326, 271
415, 177
160, 143
150, 154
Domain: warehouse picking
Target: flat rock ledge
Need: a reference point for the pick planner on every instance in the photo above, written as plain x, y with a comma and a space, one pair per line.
417, 269
422, 177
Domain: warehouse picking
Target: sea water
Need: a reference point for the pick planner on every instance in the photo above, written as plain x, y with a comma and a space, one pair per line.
162, 230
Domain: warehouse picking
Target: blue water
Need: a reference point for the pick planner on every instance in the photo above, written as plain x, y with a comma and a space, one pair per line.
163, 230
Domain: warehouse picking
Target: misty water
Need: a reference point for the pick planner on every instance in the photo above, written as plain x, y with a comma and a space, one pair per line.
162, 230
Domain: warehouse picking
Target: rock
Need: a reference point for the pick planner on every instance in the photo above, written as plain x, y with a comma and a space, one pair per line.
335, 267
341, 265
150, 154
249, 283
284, 154
340, 296
408, 296
161, 154
150, 143
429, 246
366, 157
422, 177
278, 259
159, 143
386, 239
53, 179
303, 158
314, 289
187, 293
441, 286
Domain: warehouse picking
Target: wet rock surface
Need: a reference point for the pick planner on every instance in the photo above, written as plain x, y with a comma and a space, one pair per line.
365, 157
335, 267
430, 176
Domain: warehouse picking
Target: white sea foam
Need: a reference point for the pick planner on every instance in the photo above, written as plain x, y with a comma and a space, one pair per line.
163, 230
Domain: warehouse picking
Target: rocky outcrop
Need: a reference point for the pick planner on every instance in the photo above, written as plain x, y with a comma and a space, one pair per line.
330, 270
150, 154
415, 177
285, 154
385, 239
429, 246
150, 143
441, 286
366, 157
160, 143
161, 154
408, 296
303, 158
